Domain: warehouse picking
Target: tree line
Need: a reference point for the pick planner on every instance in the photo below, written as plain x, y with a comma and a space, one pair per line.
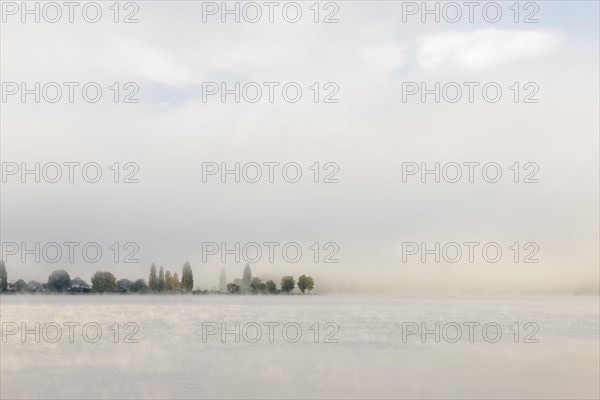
164, 281
254, 285
60, 281
167, 282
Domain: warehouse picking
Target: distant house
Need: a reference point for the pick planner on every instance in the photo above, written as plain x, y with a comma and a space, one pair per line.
123, 285
79, 289
78, 285
20, 286
34, 286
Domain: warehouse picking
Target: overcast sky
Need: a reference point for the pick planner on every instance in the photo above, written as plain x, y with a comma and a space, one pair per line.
369, 134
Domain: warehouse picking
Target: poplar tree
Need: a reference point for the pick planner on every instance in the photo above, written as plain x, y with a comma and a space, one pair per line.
187, 277
175, 281
168, 281
246, 278
152, 277
3, 277
160, 284
223, 280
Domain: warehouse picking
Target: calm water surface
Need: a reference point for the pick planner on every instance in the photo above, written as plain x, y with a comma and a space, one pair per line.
356, 350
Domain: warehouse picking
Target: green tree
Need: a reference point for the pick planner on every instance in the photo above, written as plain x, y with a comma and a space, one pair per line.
104, 281
152, 278
287, 283
187, 277
305, 283
3, 277
139, 286
246, 279
257, 285
233, 288
270, 287
59, 281
160, 284
311, 284
302, 283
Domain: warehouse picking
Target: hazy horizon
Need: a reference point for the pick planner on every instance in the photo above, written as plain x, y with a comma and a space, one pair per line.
172, 137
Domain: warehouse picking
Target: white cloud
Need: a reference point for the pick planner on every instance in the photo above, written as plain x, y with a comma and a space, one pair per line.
481, 49
152, 63
385, 57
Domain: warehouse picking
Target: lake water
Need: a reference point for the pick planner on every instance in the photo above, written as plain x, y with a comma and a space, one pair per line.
359, 351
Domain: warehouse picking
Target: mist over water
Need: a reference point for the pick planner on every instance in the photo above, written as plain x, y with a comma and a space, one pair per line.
370, 359
463, 280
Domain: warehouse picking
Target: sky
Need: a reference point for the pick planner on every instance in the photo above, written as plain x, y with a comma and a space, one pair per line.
366, 218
